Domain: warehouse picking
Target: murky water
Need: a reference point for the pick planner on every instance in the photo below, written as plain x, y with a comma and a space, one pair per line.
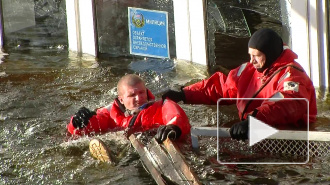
42, 85
41, 89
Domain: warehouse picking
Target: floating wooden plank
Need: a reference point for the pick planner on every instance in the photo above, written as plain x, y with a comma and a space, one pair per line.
147, 160
165, 162
180, 163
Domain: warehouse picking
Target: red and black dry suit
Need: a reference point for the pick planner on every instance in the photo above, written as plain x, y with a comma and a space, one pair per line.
113, 118
285, 78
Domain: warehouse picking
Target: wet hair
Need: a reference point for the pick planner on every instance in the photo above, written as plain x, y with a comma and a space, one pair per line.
129, 80
268, 42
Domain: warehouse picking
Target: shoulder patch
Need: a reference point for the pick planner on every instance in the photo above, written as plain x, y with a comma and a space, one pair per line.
291, 86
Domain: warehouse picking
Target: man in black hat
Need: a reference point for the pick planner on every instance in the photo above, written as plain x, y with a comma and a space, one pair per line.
272, 75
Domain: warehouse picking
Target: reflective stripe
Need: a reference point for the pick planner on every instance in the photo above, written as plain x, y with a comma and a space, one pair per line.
284, 76
241, 69
276, 97
164, 101
108, 107
285, 47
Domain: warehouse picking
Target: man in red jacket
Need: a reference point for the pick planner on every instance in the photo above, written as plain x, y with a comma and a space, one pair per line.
272, 73
135, 110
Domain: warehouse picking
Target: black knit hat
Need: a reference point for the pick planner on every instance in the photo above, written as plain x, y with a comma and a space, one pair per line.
268, 42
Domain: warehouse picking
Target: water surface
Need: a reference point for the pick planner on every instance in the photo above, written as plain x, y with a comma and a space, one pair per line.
41, 89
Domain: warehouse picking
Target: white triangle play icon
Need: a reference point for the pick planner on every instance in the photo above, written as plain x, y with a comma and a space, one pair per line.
258, 130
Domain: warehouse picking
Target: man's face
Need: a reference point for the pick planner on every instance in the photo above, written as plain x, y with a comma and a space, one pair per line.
257, 58
133, 96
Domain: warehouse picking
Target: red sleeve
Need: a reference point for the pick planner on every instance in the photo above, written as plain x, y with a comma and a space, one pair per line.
210, 90
206, 91
281, 112
119, 117
162, 113
100, 123
172, 113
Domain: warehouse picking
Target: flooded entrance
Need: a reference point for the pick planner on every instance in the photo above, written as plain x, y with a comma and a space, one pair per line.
42, 85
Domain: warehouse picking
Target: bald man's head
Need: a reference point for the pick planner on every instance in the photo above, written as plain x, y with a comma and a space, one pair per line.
128, 80
132, 92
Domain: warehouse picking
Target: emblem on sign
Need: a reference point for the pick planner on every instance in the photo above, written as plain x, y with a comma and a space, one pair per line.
138, 20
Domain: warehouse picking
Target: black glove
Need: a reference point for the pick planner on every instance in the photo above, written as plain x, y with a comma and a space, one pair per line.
240, 130
167, 131
81, 118
174, 95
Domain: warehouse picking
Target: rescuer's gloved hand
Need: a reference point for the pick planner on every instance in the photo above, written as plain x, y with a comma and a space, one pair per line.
240, 130
81, 118
167, 131
176, 96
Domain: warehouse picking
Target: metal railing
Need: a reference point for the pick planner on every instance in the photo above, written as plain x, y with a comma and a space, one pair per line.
284, 143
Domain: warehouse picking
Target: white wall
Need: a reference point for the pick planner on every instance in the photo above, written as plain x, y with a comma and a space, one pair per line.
299, 32
87, 27
190, 30
323, 42
314, 57
71, 24
81, 31
197, 31
310, 38
182, 29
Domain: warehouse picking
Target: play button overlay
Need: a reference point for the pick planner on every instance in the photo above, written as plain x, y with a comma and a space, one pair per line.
265, 144
259, 131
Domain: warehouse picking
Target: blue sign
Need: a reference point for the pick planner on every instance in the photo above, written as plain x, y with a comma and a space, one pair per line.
148, 32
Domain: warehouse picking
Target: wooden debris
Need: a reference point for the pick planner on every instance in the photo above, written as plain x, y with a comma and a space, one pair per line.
165, 162
146, 159
180, 163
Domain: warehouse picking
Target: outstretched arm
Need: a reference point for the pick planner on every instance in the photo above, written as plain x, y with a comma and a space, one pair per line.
98, 122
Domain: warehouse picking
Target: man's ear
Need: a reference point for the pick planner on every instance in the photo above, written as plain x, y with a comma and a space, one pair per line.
120, 105
120, 99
